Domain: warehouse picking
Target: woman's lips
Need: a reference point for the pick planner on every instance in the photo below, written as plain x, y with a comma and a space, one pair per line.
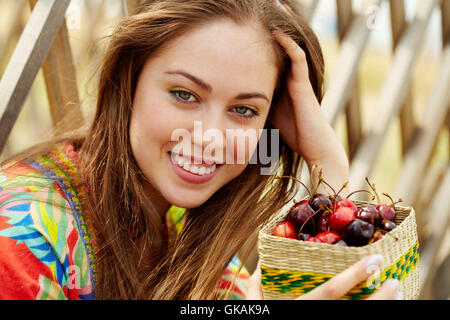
192, 173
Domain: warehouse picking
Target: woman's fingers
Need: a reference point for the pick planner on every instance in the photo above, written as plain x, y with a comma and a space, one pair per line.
342, 283
254, 289
296, 54
388, 291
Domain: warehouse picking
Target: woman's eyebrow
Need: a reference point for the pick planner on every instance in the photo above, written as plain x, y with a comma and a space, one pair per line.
202, 84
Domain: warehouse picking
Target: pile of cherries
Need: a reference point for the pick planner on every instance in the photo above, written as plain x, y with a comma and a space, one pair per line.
335, 220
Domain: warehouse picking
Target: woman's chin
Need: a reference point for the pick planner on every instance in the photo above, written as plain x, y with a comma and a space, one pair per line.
187, 200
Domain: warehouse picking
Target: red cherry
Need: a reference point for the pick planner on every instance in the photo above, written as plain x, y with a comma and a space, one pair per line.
386, 212
313, 239
340, 218
329, 237
285, 230
344, 202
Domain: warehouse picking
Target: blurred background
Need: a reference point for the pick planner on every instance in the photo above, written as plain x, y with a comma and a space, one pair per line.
387, 71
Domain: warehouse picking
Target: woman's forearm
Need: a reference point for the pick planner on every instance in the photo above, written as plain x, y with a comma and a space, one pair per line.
335, 172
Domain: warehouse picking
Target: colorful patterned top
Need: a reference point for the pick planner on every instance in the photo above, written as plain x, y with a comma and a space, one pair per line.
47, 241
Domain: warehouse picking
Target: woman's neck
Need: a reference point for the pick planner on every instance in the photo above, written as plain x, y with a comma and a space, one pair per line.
160, 203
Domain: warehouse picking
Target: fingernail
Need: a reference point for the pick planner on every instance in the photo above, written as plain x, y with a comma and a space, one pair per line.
399, 296
394, 284
375, 260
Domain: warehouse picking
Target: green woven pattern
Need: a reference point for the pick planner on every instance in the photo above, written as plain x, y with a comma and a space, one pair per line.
299, 283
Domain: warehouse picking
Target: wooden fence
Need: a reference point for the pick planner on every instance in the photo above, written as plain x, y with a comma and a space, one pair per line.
44, 45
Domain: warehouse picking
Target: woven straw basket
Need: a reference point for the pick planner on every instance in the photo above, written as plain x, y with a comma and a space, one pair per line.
291, 267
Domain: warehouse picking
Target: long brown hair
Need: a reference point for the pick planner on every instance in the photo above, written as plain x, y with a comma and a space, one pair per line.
134, 261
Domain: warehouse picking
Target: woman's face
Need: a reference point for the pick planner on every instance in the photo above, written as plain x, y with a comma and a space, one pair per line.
216, 79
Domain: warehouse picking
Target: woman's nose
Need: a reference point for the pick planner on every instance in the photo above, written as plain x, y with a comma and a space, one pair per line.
209, 134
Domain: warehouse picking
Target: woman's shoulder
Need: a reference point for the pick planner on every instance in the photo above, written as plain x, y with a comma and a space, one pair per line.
38, 198
40, 178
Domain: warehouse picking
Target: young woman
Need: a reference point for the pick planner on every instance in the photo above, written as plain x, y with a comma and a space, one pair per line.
118, 212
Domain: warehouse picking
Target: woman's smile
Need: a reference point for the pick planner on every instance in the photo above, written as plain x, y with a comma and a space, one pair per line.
190, 172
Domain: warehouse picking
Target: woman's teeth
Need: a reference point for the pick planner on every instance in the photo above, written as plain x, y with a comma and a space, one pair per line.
196, 169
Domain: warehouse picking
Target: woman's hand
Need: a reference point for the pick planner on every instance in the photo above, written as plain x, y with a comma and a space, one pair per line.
339, 285
301, 121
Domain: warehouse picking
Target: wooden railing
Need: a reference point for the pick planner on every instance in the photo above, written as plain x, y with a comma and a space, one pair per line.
44, 43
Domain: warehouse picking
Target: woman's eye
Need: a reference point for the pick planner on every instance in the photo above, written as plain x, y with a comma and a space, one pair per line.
182, 95
245, 112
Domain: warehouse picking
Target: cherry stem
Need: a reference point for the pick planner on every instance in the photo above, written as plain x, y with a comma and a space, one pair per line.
326, 183
342, 188
311, 178
373, 197
296, 179
393, 203
372, 186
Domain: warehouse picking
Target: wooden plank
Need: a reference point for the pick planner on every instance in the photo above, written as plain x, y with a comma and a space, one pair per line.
30, 52
61, 84
131, 6
60, 78
445, 14
392, 94
344, 76
311, 9
407, 121
430, 181
344, 10
95, 17
417, 157
352, 109
439, 213
14, 29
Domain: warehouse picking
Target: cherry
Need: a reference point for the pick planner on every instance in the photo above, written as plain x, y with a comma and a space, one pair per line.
378, 235
329, 237
300, 213
313, 239
321, 202
286, 230
344, 202
341, 243
388, 225
386, 212
322, 225
303, 236
340, 218
369, 214
358, 232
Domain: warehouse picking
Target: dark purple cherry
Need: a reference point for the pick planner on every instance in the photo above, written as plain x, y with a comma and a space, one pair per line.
388, 225
358, 233
369, 214
303, 236
321, 202
300, 213
322, 225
